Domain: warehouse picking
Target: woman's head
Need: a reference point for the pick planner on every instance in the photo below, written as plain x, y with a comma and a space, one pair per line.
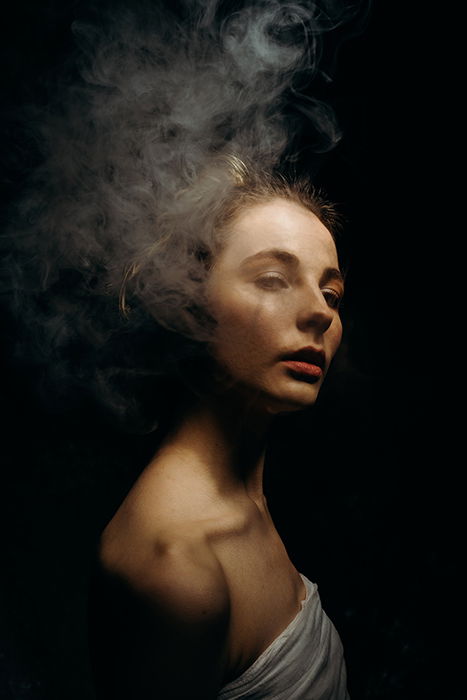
256, 280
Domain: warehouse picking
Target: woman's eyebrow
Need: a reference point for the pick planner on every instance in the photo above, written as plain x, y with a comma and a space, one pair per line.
332, 274
274, 253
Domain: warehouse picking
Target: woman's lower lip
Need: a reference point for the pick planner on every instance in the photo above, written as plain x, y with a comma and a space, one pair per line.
304, 368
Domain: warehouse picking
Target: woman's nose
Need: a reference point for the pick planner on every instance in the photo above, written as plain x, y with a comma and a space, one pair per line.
314, 312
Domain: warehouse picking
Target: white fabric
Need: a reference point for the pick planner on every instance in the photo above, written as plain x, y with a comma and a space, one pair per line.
305, 662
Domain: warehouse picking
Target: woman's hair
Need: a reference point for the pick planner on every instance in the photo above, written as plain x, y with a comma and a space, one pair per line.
253, 186
139, 347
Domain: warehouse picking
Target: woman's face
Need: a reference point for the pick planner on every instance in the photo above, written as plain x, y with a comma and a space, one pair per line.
274, 291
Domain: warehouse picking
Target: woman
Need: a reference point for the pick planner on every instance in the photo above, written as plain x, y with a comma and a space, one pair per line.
195, 594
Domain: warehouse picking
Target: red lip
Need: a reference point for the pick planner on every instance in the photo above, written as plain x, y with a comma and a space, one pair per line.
307, 364
309, 355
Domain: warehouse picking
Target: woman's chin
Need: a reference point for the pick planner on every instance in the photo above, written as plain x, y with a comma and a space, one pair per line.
291, 401
279, 407
281, 397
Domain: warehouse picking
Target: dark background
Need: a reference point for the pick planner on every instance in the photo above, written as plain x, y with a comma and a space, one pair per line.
365, 491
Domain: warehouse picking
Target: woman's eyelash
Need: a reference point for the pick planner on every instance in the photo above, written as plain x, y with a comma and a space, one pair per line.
271, 280
332, 297
274, 281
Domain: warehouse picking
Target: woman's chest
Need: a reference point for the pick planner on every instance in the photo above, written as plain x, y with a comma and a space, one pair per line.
265, 592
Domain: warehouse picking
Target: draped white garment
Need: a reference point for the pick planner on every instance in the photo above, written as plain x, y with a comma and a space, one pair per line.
305, 662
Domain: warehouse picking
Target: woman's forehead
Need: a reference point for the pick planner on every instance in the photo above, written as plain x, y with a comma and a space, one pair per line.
278, 224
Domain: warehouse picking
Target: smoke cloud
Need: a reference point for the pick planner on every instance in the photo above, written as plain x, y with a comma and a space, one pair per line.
130, 176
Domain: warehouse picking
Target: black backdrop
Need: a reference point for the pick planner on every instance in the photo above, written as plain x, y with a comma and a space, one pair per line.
375, 519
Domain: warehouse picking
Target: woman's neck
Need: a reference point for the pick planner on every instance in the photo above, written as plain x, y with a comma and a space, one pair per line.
222, 442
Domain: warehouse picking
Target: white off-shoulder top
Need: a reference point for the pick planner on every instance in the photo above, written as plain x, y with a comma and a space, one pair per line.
305, 662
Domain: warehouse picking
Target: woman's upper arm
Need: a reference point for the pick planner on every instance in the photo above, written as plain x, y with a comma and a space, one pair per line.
160, 631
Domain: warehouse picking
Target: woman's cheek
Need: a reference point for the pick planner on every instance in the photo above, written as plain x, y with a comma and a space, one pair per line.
243, 339
239, 314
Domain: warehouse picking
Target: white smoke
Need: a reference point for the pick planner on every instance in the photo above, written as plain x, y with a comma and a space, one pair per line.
125, 149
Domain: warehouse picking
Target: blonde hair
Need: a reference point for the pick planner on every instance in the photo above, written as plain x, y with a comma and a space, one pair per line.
254, 185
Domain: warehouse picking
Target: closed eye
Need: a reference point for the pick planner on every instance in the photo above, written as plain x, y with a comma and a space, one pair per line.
272, 281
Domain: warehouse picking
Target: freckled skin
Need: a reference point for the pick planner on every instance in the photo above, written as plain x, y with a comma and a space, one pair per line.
266, 308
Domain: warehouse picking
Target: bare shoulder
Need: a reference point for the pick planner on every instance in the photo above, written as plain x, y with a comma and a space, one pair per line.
176, 571
161, 617
161, 542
